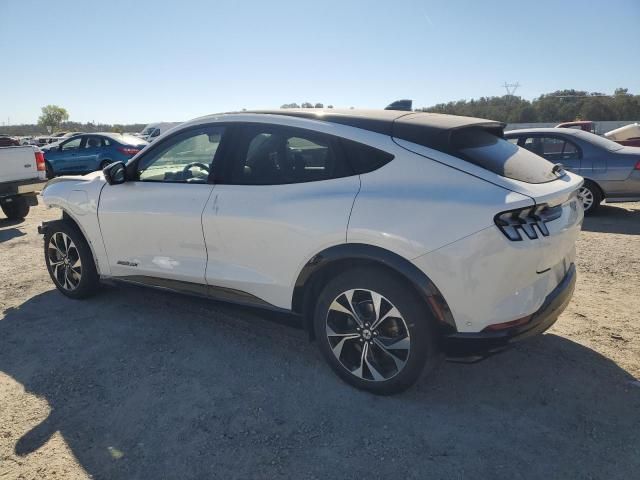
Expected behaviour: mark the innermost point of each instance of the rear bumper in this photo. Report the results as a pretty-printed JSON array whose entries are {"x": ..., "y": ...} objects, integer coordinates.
[
  {"x": 21, "y": 187},
  {"x": 486, "y": 342},
  {"x": 627, "y": 190}
]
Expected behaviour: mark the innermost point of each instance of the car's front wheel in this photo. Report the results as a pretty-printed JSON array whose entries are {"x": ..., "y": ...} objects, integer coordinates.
[
  {"x": 70, "y": 261},
  {"x": 376, "y": 334}
]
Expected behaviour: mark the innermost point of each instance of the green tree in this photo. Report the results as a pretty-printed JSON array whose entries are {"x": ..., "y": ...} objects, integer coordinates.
[{"x": 52, "y": 116}]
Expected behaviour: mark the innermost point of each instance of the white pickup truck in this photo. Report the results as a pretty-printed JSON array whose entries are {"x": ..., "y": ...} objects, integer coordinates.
[{"x": 22, "y": 175}]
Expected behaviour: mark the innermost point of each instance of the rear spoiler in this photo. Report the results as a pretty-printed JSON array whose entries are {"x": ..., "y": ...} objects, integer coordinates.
[{"x": 439, "y": 134}]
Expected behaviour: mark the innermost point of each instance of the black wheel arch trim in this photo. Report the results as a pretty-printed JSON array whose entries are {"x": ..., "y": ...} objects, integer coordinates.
[
  {"x": 597, "y": 185},
  {"x": 69, "y": 218},
  {"x": 359, "y": 252}
]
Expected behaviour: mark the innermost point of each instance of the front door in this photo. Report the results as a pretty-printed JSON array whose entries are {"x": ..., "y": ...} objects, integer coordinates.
[
  {"x": 152, "y": 225},
  {"x": 68, "y": 156}
]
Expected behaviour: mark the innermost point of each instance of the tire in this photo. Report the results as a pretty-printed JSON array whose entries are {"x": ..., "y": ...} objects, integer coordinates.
[
  {"x": 591, "y": 197},
  {"x": 70, "y": 261},
  {"x": 105, "y": 163},
  {"x": 360, "y": 360},
  {"x": 49, "y": 170},
  {"x": 17, "y": 209}
]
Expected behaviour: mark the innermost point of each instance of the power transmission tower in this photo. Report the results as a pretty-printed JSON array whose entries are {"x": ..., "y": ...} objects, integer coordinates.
[{"x": 511, "y": 88}]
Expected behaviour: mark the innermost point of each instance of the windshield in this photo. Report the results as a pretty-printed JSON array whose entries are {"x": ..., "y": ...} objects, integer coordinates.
[
  {"x": 599, "y": 141},
  {"x": 501, "y": 157}
]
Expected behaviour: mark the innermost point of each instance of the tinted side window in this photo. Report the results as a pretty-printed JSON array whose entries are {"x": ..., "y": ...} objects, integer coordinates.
[
  {"x": 93, "y": 142},
  {"x": 363, "y": 158},
  {"x": 554, "y": 149},
  {"x": 272, "y": 155}
]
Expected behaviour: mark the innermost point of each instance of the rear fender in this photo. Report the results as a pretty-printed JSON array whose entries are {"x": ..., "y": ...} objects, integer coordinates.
[{"x": 330, "y": 262}]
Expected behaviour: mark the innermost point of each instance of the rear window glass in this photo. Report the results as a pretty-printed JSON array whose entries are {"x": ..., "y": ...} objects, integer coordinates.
[
  {"x": 129, "y": 139},
  {"x": 501, "y": 156},
  {"x": 599, "y": 141}
]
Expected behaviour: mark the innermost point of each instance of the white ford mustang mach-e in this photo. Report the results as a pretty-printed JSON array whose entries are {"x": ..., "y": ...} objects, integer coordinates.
[{"x": 393, "y": 235}]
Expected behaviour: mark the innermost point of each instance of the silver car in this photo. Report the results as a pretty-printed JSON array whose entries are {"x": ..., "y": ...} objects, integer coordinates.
[{"x": 611, "y": 171}]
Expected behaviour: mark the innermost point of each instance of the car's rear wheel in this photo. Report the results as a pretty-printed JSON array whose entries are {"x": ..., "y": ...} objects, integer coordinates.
[
  {"x": 105, "y": 163},
  {"x": 17, "y": 209},
  {"x": 49, "y": 170},
  {"x": 70, "y": 261},
  {"x": 374, "y": 332},
  {"x": 590, "y": 196}
]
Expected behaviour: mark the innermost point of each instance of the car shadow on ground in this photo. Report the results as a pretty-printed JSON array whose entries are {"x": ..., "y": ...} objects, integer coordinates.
[
  {"x": 10, "y": 233},
  {"x": 145, "y": 384},
  {"x": 613, "y": 218}
]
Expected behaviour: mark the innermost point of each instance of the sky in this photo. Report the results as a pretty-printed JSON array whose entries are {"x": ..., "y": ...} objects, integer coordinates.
[{"x": 131, "y": 61}]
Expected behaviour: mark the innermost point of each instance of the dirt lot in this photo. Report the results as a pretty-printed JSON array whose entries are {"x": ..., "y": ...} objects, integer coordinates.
[{"x": 142, "y": 384}]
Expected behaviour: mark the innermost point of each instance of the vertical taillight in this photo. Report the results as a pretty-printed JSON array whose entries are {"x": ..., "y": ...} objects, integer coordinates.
[
  {"x": 40, "y": 162},
  {"x": 637, "y": 167}
]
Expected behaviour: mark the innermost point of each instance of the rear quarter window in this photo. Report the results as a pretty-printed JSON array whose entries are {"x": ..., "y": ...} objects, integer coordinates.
[
  {"x": 363, "y": 158},
  {"x": 500, "y": 156}
]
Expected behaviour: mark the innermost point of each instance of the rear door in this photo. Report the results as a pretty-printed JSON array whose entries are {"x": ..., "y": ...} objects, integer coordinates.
[
  {"x": 285, "y": 194},
  {"x": 90, "y": 150},
  {"x": 556, "y": 149}
]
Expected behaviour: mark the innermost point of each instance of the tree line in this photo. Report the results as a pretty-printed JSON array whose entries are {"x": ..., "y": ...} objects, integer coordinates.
[
  {"x": 558, "y": 106},
  {"x": 56, "y": 119}
]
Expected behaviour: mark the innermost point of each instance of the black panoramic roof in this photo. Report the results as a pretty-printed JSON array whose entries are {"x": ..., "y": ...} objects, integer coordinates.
[{"x": 429, "y": 129}]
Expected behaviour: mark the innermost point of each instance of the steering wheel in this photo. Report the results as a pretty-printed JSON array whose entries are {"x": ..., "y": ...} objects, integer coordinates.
[{"x": 188, "y": 167}]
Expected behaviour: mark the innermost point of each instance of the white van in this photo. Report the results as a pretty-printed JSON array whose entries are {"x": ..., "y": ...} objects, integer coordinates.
[{"x": 153, "y": 130}]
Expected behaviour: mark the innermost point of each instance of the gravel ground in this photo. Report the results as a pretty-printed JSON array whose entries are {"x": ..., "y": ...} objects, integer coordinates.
[{"x": 136, "y": 383}]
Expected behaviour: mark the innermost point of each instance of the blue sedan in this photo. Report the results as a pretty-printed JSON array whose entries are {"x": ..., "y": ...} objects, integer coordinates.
[{"x": 89, "y": 152}]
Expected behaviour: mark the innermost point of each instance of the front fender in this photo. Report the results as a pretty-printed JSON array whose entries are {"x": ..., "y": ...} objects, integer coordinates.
[{"x": 78, "y": 198}]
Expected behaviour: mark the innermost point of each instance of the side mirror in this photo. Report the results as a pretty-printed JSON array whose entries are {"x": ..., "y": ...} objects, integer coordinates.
[{"x": 115, "y": 173}]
